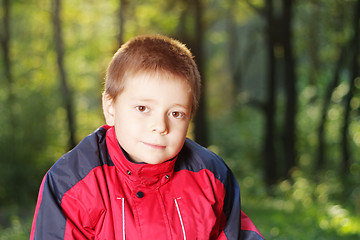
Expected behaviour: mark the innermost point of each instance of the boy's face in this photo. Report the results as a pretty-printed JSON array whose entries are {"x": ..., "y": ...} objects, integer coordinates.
[{"x": 151, "y": 117}]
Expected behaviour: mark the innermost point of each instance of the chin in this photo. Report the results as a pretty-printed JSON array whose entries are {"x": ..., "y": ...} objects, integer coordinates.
[{"x": 155, "y": 162}]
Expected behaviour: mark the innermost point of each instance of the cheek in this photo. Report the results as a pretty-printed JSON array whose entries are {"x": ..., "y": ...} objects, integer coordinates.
[
  {"x": 181, "y": 132},
  {"x": 124, "y": 126},
  {"x": 129, "y": 128}
]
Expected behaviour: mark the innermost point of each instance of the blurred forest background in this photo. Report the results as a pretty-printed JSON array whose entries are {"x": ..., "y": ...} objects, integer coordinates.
[{"x": 280, "y": 103}]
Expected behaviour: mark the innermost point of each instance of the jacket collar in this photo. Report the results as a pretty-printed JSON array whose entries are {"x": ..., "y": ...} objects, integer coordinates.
[{"x": 143, "y": 173}]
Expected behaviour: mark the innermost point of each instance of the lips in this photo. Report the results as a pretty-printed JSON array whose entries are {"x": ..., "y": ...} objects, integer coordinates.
[{"x": 155, "y": 146}]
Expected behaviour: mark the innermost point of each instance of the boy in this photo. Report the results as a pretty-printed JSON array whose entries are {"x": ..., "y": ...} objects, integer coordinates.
[{"x": 139, "y": 177}]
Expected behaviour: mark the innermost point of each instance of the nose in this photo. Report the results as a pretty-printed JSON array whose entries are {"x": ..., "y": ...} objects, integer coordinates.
[{"x": 160, "y": 125}]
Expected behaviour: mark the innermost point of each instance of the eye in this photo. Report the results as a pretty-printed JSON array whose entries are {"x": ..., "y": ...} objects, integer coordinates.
[
  {"x": 177, "y": 115},
  {"x": 142, "y": 109}
]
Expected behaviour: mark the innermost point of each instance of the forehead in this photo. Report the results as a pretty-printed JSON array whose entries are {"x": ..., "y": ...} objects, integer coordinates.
[
  {"x": 156, "y": 78},
  {"x": 157, "y": 86}
]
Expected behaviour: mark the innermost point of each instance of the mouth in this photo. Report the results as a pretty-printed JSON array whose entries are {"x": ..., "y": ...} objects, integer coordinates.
[{"x": 154, "y": 146}]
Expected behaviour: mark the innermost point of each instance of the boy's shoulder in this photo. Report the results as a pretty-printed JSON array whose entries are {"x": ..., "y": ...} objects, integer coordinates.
[
  {"x": 88, "y": 151},
  {"x": 194, "y": 157},
  {"x": 74, "y": 165}
]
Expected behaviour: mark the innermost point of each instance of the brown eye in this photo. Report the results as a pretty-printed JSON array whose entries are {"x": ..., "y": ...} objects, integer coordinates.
[
  {"x": 142, "y": 108},
  {"x": 177, "y": 114}
]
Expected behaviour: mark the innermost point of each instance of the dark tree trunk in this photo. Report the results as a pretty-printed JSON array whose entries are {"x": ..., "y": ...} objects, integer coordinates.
[
  {"x": 65, "y": 91},
  {"x": 327, "y": 99},
  {"x": 233, "y": 52},
  {"x": 314, "y": 28},
  {"x": 5, "y": 45},
  {"x": 200, "y": 130},
  {"x": 354, "y": 74},
  {"x": 270, "y": 110},
  {"x": 289, "y": 135}
]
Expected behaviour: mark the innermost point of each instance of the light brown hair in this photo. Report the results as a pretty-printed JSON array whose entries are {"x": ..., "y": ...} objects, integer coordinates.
[{"x": 153, "y": 54}]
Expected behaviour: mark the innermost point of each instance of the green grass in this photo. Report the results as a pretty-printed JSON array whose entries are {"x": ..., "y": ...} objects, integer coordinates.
[
  {"x": 301, "y": 209},
  {"x": 282, "y": 219},
  {"x": 19, "y": 229}
]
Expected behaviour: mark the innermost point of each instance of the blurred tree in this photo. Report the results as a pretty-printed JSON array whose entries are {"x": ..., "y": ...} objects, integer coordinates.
[
  {"x": 344, "y": 49},
  {"x": 195, "y": 41},
  {"x": 5, "y": 46},
  {"x": 281, "y": 65},
  {"x": 289, "y": 130},
  {"x": 121, "y": 11},
  {"x": 271, "y": 165},
  {"x": 321, "y": 156},
  {"x": 354, "y": 68},
  {"x": 200, "y": 122},
  {"x": 65, "y": 91},
  {"x": 233, "y": 50},
  {"x": 272, "y": 32},
  {"x": 313, "y": 41}
]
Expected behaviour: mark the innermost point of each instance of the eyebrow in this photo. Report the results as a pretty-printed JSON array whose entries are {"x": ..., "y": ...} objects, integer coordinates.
[
  {"x": 142, "y": 99},
  {"x": 152, "y": 100},
  {"x": 180, "y": 105}
]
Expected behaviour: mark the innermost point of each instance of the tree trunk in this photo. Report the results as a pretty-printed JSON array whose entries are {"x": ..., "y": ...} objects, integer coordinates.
[
  {"x": 346, "y": 155},
  {"x": 289, "y": 135},
  {"x": 270, "y": 110},
  {"x": 327, "y": 99},
  {"x": 65, "y": 91},
  {"x": 314, "y": 28},
  {"x": 200, "y": 129},
  {"x": 121, "y": 11},
  {"x": 233, "y": 52},
  {"x": 5, "y": 45}
]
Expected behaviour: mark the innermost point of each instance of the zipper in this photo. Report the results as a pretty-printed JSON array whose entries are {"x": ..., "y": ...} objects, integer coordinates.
[{"x": 181, "y": 221}]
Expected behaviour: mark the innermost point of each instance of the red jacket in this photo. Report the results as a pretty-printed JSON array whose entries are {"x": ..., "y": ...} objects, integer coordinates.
[{"x": 95, "y": 192}]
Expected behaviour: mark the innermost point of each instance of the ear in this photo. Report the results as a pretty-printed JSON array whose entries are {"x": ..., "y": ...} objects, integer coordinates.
[{"x": 108, "y": 109}]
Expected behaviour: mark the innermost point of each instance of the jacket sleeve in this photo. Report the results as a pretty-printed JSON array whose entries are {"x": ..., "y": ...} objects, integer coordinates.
[
  {"x": 238, "y": 224},
  {"x": 52, "y": 221}
]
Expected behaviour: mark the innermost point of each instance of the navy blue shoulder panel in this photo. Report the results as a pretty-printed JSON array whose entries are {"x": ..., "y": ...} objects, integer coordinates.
[
  {"x": 72, "y": 167},
  {"x": 250, "y": 235},
  {"x": 193, "y": 157},
  {"x": 64, "y": 174}
]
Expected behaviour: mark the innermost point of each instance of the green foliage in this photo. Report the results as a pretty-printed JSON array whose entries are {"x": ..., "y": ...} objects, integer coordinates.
[
  {"x": 236, "y": 137},
  {"x": 18, "y": 230},
  {"x": 18, "y": 224},
  {"x": 303, "y": 210}
]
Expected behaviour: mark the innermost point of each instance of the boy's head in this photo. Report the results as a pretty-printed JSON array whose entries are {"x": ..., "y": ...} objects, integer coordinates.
[
  {"x": 152, "y": 54},
  {"x": 151, "y": 91}
]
